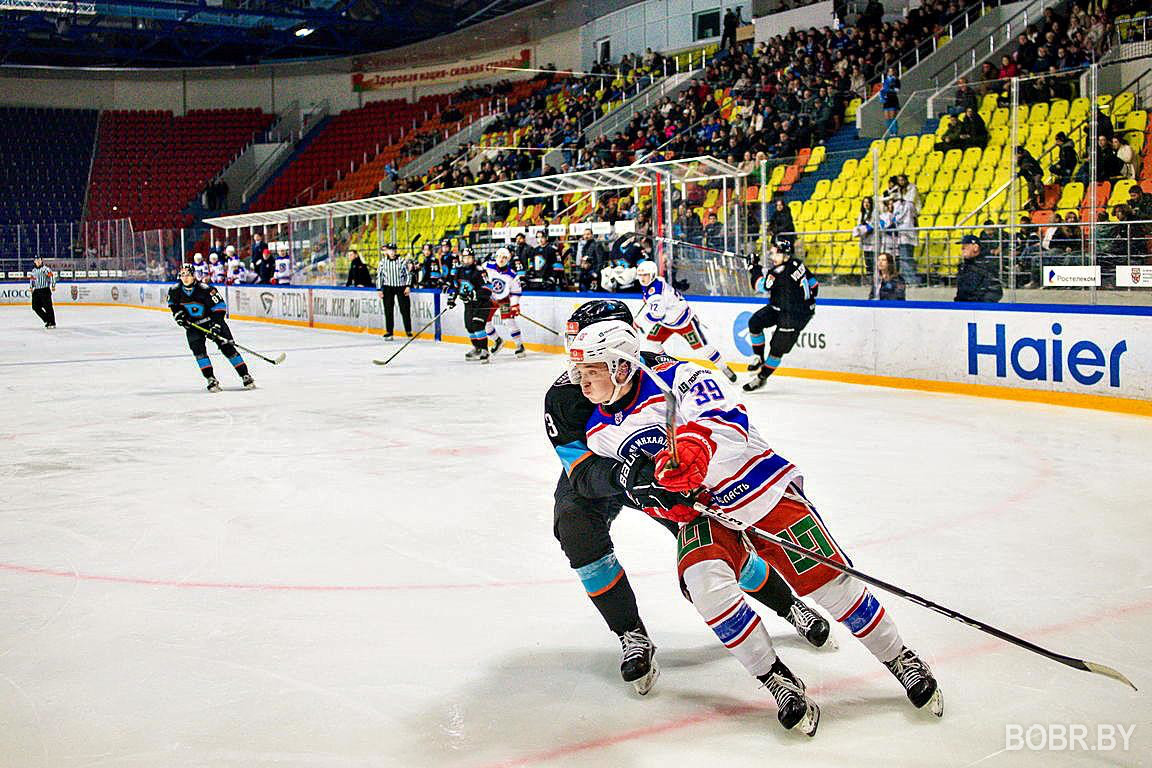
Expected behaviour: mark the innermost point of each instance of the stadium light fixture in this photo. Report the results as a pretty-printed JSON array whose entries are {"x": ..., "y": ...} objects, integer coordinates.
[{"x": 304, "y": 31}]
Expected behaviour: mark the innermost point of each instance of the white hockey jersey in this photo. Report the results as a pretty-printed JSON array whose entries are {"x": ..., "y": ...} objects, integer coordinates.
[
  {"x": 236, "y": 272},
  {"x": 665, "y": 306},
  {"x": 746, "y": 478},
  {"x": 504, "y": 283},
  {"x": 216, "y": 272},
  {"x": 200, "y": 269},
  {"x": 283, "y": 271}
]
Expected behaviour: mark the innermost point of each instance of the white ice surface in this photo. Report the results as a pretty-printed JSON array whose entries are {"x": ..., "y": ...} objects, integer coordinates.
[{"x": 354, "y": 566}]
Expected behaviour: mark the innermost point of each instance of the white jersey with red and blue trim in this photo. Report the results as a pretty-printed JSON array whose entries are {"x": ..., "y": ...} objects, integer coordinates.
[
  {"x": 664, "y": 305},
  {"x": 504, "y": 282},
  {"x": 746, "y": 478},
  {"x": 216, "y": 272}
]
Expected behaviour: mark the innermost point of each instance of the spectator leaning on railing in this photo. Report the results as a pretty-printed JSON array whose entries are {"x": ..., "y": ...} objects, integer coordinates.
[
  {"x": 976, "y": 280},
  {"x": 889, "y": 284}
]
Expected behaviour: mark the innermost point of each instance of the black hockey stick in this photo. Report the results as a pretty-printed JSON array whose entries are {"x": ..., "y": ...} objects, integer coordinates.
[
  {"x": 221, "y": 340},
  {"x": 414, "y": 336},
  {"x": 1068, "y": 661},
  {"x": 537, "y": 322}
]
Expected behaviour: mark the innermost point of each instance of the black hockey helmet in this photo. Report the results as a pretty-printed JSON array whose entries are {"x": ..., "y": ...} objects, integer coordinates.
[{"x": 596, "y": 311}]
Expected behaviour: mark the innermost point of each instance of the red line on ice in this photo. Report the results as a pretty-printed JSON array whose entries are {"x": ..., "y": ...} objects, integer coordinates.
[
  {"x": 274, "y": 587},
  {"x": 720, "y": 713}
]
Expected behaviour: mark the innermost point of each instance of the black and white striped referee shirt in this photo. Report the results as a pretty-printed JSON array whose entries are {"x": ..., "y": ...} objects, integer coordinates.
[
  {"x": 42, "y": 277},
  {"x": 393, "y": 272}
]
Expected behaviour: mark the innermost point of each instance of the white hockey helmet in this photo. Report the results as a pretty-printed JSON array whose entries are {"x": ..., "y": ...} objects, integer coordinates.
[
  {"x": 646, "y": 271},
  {"x": 610, "y": 342},
  {"x": 503, "y": 255},
  {"x": 231, "y": 249},
  {"x": 197, "y": 257}
]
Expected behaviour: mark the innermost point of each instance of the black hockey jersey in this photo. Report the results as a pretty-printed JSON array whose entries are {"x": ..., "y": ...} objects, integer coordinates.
[
  {"x": 198, "y": 301},
  {"x": 471, "y": 285},
  {"x": 791, "y": 289}
]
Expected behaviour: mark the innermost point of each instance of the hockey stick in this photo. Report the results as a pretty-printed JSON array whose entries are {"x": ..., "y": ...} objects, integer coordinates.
[
  {"x": 537, "y": 322},
  {"x": 723, "y": 517},
  {"x": 414, "y": 336},
  {"x": 221, "y": 340}
]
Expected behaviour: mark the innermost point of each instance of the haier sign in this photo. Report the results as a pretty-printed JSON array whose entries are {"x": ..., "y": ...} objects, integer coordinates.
[{"x": 1044, "y": 359}]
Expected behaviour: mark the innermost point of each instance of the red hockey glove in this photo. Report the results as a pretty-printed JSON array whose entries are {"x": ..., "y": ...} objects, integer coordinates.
[
  {"x": 694, "y": 448},
  {"x": 679, "y": 513}
]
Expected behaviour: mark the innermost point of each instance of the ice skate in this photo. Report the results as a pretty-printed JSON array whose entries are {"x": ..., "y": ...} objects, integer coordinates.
[
  {"x": 810, "y": 625},
  {"x": 756, "y": 383},
  {"x": 496, "y": 345},
  {"x": 794, "y": 708},
  {"x": 248, "y": 381},
  {"x": 916, "y": 677},
  {"x": 638, "y": 661},
  {"x": 756, "y": 364},
  {"x": 520, "y": 351},
  {"x": 474, "y": 355},
  {"x": 213, "y": 385}
]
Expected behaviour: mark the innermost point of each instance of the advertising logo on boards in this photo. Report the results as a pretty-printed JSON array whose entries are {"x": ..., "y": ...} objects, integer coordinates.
[
  {"x": 1028, "y": 358},
  {"x": 266, "y": 299}
]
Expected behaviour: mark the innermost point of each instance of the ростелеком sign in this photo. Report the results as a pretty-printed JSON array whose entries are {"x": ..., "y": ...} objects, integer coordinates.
[{"x": 1072, "y": 277}]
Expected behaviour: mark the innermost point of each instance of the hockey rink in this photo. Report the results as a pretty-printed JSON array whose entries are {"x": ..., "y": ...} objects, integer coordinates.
[{"x": 353, "y": 566}]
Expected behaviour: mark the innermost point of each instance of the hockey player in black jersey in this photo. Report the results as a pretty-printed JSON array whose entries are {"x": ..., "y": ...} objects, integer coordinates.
[
  {"x": 191, "y": 301},
  {"x": 590, "y": 493},
  {"x": 791, "y": 293},
  {"x": 470, "y": 286}
]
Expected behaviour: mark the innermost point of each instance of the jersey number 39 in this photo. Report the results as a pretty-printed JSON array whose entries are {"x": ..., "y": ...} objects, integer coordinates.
[{"x": 706, "y": 391}]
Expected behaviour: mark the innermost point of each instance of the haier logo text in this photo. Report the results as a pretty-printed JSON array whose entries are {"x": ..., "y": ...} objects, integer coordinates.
[{"x": 1042, "y": 359}]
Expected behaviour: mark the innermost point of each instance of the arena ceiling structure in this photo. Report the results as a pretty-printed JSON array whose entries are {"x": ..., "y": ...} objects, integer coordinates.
[{"x": 198, "y": 33}]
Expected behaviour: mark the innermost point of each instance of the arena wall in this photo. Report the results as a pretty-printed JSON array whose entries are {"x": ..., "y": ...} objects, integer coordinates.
[{"x": 1083, "y": 356}]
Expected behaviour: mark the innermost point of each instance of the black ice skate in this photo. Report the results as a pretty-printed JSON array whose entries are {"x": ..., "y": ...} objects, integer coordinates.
[
  {"x": 474, "y": 355},
  {"x": 756, "y": 383},
  {"x": 916, "y": 677},
  {"x": 248, "y": 381},
  {"x": 638, "y": 661},
  {"x": 809, "y": 625},
  {"x": 496, "y": 345},
  {"x": 754, "y": 366},
  {"x": 728, "y": 373},
  {"x": 520, "y": 351},
  {"x": 794, "y": 709},
  {"x": 213, "y": 385}
]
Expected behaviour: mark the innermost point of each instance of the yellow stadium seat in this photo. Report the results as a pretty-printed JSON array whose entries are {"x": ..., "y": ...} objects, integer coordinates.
[
  {"x": 1022, "y": 111},
  {"x": 1122, "y": 104},
  {"x": 1120, "y": 192},
  {"x": 945, "y": 121},
  {"x": 914, "y": 164},
  {"x": 896, "y": 167},
  {"x": 927, "y": 143},
  {"x": 823, "y": 211},
  {"x": 999, "y": 136},
  {"x": 962, "y": 181},
  {"x": 1136, "y": 140},
  {"x": 852, "y": 189},
  {"x": 934, "y": 160},
  {"x": 1071, "y": 195},
  {"x": 988, "y": 102},
  {"x": 971, "y": 157},
  {"x": 983, "y": 179},
  {"x": 777, "y": 175},
  {"x": 952, "y": 202},
  {"x": 852, "y": 109},
  {"x": 952, "y": 159},
  {"x": 924, "y": 178},
  {"x": 1078, "y": 110},
  {"x": 816, "y": 157},
  {"x": 821, "y": 190},
  {"x": 972, "y": 201},
  {"x": 875, "y": 148},
  {"x": 848, "y": 170},
  {"x": 1037, "y": 132},
  {"x": 999, "y": 118},
  {"x": 795, "y": 206},
  {"x": 1136, "y": 120},
  {"x": 1035, "y": 148},
  {"x": 908, "y": 145},
  {"x": 1058, "y": 110},
  {"x": 891, "y": 147},
  {"x": 1039, "y": 113},
  {"x": 991, "y": 156},
  {"x": 942, "y": 182},
  {"x": 932, "y": 203},
  {"x": 836, "y": 190},
  {"x": 842, "y": 209}
]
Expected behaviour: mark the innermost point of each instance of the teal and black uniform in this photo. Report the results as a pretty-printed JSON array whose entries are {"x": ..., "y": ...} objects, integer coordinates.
[{"x": 202, "y": 305}]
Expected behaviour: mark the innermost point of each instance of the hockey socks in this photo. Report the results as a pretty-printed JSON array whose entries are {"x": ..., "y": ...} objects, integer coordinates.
[
  {"x": 854, "y": 606},
  {"x": 205, "y": 367},
  {"x": 239, "y": 364},
  {"x": 609, "y": 590}
]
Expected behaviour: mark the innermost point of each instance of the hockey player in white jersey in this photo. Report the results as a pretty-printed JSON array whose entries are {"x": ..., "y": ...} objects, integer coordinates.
[
  {"x": 283, "y": 270},
  {"x": 506, "y": 289},
  {"x": 724, "y": 462},
  {"x": 199, "y": 267},
  {"x": 217, "y": 273},
  {"x": 669, "y": 313}
]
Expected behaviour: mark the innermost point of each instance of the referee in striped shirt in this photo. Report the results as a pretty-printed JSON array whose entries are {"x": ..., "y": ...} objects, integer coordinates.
[
  {"x": 393, "y": 280},
  {"x": 43, "y": 282}
]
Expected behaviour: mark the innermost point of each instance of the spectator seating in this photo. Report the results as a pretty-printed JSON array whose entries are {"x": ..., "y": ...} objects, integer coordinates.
[
  {"x": 150, "y": 165},
  {"x": 47, "y": 153}
]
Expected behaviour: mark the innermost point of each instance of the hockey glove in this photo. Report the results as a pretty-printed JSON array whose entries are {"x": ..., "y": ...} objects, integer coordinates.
[
  {"x": 694, "y": 451},
  {"x": 637, "y": 477},
  {"x": 452, "y": 300},
  {"x": 513, "y": 310},
  {"x": 181, "y": 318},
  {"x": 214, "y": 328}
]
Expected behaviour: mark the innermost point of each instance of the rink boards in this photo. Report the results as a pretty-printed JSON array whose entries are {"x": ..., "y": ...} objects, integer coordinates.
[{"x": 1086, "y": 356}]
